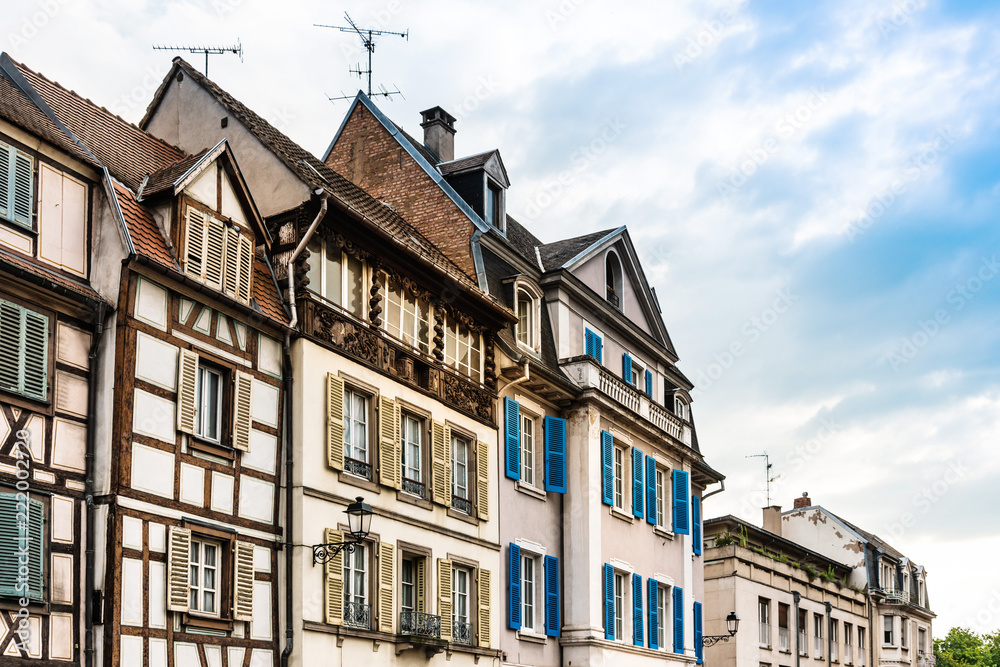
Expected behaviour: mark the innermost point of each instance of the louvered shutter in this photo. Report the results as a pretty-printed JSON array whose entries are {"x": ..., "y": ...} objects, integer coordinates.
[
  {"x": 18, "y": 528},
  {"x": 637, "y": 482},
  {"x": 187, "y": 391},
  {"x": 699, "y": 650},
  {"x": 21, "y": 201},
  {"x": 36, "y": 355},
  {"x": 334, "y": 421},
  {"x": 441, "y": 463},
  {"x": 243, "y": 383},
  {"x": 334, "y": 573},
  {"x": 555, "y": 454},
  {"x": 386, "y": 586},
  {"x": 637, "y": 634},
  {"x": 420, "y": 584},
  {"x": 609, "y": 602},
  {"x": 388, "y": 418},
  {"x": 681, "y": 520},
  {"x": 215, "y": 253},
  {"x": 24, "y": 351},
  {"x": 512, "y": 437},
  {"x": 178, "y": 569},
  {"x": 246, "y": 269},
  {"x": 678, "y": 619},
  {"x": 514, "y": 587},
  {"x": 243, "y": 582},
  {"x": 653, "y": 601},
  {"x": 590, "y": 348},
  {"x": 650, "y": 490},
  {"x": 649, "y": 384},
  {"x": 194, "y": 244},
  {"x": 484, "y": 607},
  {"x": 627, "y": 368},
  {"x": 444, "y": 575},
  {"x": 696, "y": 524},
  {"x": 10, "y": 346},
  {"x": 599, "y": 349},
  {"x": 10, "y": 536},
  {"x": 607, "y": 472},
  {"x": 552, "y": 622},
  {"x": 231, "y": 263},
  {"x": 5, "y": 179},
  {"x": 483, "y": 480}
]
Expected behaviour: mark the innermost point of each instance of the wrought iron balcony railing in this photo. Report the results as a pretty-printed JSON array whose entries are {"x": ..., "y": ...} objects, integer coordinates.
[
  {"x": 461, "y": 632},
  {"x": 461, "y": 504},
  {"x": 357, "y": 615},
  {"x": 419, "y": 624},
  {"x": 414, "y": 487},
  {"x": 359, "y": 468}
]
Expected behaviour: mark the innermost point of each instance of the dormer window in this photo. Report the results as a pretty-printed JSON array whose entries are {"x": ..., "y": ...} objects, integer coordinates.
[
  {"x": 680, "y": 407},
  {"x": 219, "y": 254},
  {"x": 613, "y": 275},
  {"x": 494, "y": 205},
  {"x": 528, "y": 305}
]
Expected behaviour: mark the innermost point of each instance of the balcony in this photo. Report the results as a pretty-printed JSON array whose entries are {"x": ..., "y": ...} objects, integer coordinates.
[
  {"x": 461, "y": 632},
  {"x": 764, "y": 637},
  {"x": 359, "y": 468},
  {"x": 588, "y": 373},
  {"x": 896, "y": 597},
  {"x": 357, "y": 615},
  {"x": 419, "y": 624},
  {"x": 414, "y": 488},
  {"x": 461, "y": 504},
  {"x": 783, "y": 639}
]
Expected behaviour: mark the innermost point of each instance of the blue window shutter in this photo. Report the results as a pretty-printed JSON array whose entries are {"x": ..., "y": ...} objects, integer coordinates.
[
  {"x": 609, "y": 602},
  {"x": 607, "y": 476},
  {"x": 512, "y": 428},
  {"x": 681, "y": 522},
  {"x": 555, "y": 454},
  {"x": 637, "y": 482},
  {"x": 649, "y": 384},
  {"x": 698, "y": 648},
  {"x": 637, "y": 610},
  {"x": 627, "y": 368},
  {"x": 552, "y": 596},
  {"x": 696, "y": 523},
  {"x": 678, "y": 619},
  {"x": 653, "y": 601},
  {"x": 650, "y": 490},
  {"x": 514, "y": 588},
  {"x": 590, "y": 343},
  {"x": 599, "y": 349}
]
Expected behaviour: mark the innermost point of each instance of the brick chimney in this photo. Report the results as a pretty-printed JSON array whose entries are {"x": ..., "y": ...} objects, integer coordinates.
[
  {"x": 439, "y": 132},
  {"x": 804, "y": 501},
  {"x": 772, "y": 519}
]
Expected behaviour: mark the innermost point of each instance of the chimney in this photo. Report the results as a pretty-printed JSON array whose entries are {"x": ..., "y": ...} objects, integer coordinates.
[
  {"x": 804, "y": 501},
  {"x": 439, "y": 132},
  {"x": 772, "y": 519}
]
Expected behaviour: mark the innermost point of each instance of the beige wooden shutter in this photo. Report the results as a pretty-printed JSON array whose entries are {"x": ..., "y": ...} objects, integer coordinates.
[
  {"x": 334, "y": 421},
  {"x": 194, "y": 244},
  {"x": 187, "y": 391},
  {"x": 389, "y": 472},
  {"x": 178, "y": 569},
  {"x": 386, "y": 586},
  {"x": 231, "y": 262},
  {"x": 420, "y": 584},
  {"x": 441, "y": 463},
  {"x": 483, "y": 480},
  {"x": 444, "y": 574},
  {"x": 215, "y": 253},
  {"x": 483, "y": 603},
  {"x": 241, "y": 411},
  {"x": 246, "y": 269},
  {"x": 243, "y": 582},
  {"x": 334, "y": 571}
]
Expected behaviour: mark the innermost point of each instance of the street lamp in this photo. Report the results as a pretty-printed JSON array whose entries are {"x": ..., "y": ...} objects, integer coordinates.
[
  {"x": 732, "y": 624},
  {"x": 359, "y": 523}
]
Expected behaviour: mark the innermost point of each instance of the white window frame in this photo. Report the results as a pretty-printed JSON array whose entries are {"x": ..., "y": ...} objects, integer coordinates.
[
  {"x": 341, "y": 300},
  {"x": 201, "y": 424},
  {"x": 817, "y": 636},
  {"x": 764, "y": 622},
  {"x": 460, "y": 444},
  {"x": 621, "y": 600},
  {"x": 400, "y": 302},
  {"x": 196, "y": 586},
  {"x": 351, "y": 569},
  {"x": 888, "y": 630},
  {"x": 663, "y": 616},
  {"x": 619, "y": 487},
  {"x": 530, "y": 580},
  {"x": 662, "y": 509},
  {"x": 406, "y": 464},
  {"x": 471, "y": 342},
  {"x": 457, "y": 575},
  {"x": 352, "y": 420},
  {"x": 405, "y": 585},
  {"x": 638, "y": 375},
  {"x": 680, "y": 407},
  {"x": 903, "y": 637},
  {"x": 529, "y": 451},
  {"x": 834, "y": 647}
]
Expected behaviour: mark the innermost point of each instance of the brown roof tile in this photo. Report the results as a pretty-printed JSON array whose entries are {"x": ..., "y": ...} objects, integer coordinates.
[
  {"x": 12, "y": 260},
  {"x": 464, "y": 163},
  {"x": 265, "y": 293},
  {"x": 145, "y": 233},
  {"x": 164, "y": 179}
]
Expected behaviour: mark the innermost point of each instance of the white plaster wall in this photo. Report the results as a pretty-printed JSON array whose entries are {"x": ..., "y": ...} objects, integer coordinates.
[{"x": 814, "y": 529}]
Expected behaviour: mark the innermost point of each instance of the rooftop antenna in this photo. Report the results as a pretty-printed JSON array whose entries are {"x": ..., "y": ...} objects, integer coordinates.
[
  {"x": 207, "y": 50},
  {"x": 367, "y": 36},
  {"x": 767, "y": 472}
]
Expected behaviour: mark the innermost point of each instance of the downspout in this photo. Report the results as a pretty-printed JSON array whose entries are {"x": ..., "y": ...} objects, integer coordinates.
[
  {"x": 287, "y": 431},
  {"x": 796, "y": 597},
  {"x": 829, "y": 635},
  {"x": 718, "y": 490},
  {"x": 523, "y": 378},
  {"x": 89, "y": 586}
]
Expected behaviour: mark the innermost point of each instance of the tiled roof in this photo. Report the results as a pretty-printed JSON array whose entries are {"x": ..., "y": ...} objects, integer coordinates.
[
  {"x": 145, "y": 233},
  {"x": 463, "y": 163},
  {"x": 128, "y": 152},
  {"x": 265, "y": 293},
  {"x": 555, "y": 255},
  {"x": 164, "y": 179},
  {"x": 523, "y": 241},
  {"x": 15, "y": 261}
]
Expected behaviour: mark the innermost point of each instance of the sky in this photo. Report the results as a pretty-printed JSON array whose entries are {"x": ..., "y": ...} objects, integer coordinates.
[{"x": 812, "y": 188}]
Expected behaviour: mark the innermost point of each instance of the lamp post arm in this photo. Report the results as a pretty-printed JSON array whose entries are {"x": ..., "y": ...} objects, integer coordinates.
[{"x": 323, "y": 553}]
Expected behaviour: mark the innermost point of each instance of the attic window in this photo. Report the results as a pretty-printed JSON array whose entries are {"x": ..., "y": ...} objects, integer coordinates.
[
  {"x": 219, "y": 255},
  {"x": 494, "y": 205},
  {"x": 613, "y": 275}
]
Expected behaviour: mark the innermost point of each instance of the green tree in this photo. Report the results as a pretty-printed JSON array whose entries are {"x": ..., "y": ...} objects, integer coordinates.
[
  {"x": 991, "y": 646},
  {"x": 961, "y": 647}
]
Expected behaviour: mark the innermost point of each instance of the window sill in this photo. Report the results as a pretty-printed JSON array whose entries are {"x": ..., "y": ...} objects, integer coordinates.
[
  {"x": 764, "y": 647},
  {"x": 530, "y": 490},
  {"x": 360, "y": 482},
  {"x": 785, "y": 651},
  {"x": 411, "y": 499},
  {"x": 622, "y": 515},
  {"x": 189, "y": 620},
  {"x": 529, "y": 636},
  {"x": 462, "y": 516},
  {"x": 663, "y": 532},
  {"x": 195, "y": 444}
]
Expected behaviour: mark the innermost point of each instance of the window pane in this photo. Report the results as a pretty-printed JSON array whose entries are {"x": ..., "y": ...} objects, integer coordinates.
[
  {"x": 333, "y": 287},
  {"x": 355, "y": 288},
  {"x": 315, "y": 273}
]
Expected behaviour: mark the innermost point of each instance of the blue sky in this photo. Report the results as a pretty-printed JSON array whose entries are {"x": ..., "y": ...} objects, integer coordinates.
[{"x": 835, "y": 161}]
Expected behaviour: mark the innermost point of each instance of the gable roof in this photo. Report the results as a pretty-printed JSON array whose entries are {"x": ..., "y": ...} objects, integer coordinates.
[
  {"x": 164, "y": 179},
  {"x": 558, "y": 255}
]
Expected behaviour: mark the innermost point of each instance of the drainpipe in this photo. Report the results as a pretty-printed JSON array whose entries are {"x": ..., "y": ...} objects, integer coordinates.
[
  {"x": 287, "y": 430},
  {"x": 88, "y": 606},
  {"x": 796, "y": 596},
  {"x": 523, "y": 378},
  {"x": 829, "y": 635},
  {"x": 722, "y": 488}
]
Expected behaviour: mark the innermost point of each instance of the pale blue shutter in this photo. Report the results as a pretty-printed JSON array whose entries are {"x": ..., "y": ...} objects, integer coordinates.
[
  {"x": 698, "y": 648},
  {"x": 15, "y": 531},
  {"x": 6, "y": 187},
  {"x": 514, "y": 588},
  {"x": 9, "y": 536},
  {"x": 681, "y": 522},
  {"x": 653, "y": 600},
  {"x": 651, "y": 490},
  {"x": 678, "y": 619},
  {"x": 512, "y": 437},
  {"x": 24, "y": 351},
  {"x": 649, "y": 384},
  {"x": 696, "y": 523},
  {"x": 555, "y": 454},
  {"x": 609, "y": 602},
  {"x": 637, "y": 482},
  {"x": 627, "y": 368},
  {"x": 552, "y": 596},
  {"x": 637, "y": 610},
  {"x": 36, "y": 355},
  {"x": 607, "y": 472}
]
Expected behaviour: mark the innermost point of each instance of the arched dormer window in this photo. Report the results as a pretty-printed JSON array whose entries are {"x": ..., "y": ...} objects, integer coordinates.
[
  {"x": 613, "y": 277},
  {"x": 528, "y": 315},
  {"x": 680, "y": 407}
]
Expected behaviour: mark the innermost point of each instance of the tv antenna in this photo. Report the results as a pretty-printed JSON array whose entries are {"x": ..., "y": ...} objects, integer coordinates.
[
  {"x": 207, "y": 50},
  {"x": 367, "y": 36},
  {"x": 767, "y": 472}
]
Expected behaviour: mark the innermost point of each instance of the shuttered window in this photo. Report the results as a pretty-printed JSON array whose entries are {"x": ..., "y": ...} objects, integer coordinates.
[
  {"x": 243, "y": 582},
  {"x": 678, "y": 620},
  {"x": 555, "y": 454},
  {"x": 386, "y": 586},
  {"x": 607, "y": 470},
  {"x": 333, "y": 574},
  {"x": 637, "y": 487},
  {"x": 654, "y": 511},
  {"x": 637, "y": 620},
  {"x": 681, "y": 519},
  {"x": 608, "y": 574},
  {"x": 16, "y": 182},
  {"x": 593, "y": 345},
  {"x": 221, "y": 256},
  {"x": 440, "y": 464},
  {"x": 514, "y": 587},
  {"x": 627, "y": 369},
  {"x": 389, "y": 442},
  {"x": 24, "y": 351},
  {"x": 699, "y": 650},
  {"x": 552, "y": 622},
  {"x": 696, "y": 524},
  {"x": 444, "y": 606},
  {"x": 512, "y": 438},
  {"x": 22, "y": 525},
  {"x": 484, "y": 604},
  {"x": 653, "y": 604},
  {"x": 483, "y": 480},
  {"x": 649, "y": 384}
]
